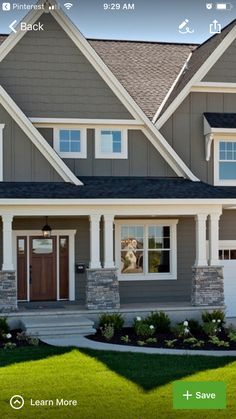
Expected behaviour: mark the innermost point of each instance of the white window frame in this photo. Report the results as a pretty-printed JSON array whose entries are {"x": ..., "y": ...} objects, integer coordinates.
[
  {"x": 217, "y": 140},
  {"x": 172, "y": 275},
  {"x": 70, "y": 154},
  {"x": 124, "y": 144},
  {"x": 2, "y": 126}
]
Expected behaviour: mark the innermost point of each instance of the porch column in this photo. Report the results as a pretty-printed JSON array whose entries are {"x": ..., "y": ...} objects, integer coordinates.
[
  {"x": 214, "y": 239},
  {"x": 7, "y": 243},
  {"x": 95, "y": 241},
  {"x": 200, "y": 220},
  {"x": 108, "y": 241}
]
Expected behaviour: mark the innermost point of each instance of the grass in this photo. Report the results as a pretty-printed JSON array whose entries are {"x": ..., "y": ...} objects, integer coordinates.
[{"x": 107, "y": 385}]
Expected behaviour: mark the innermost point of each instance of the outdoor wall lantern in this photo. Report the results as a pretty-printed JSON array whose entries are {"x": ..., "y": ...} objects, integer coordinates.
[{"x": 46, "y": 230}]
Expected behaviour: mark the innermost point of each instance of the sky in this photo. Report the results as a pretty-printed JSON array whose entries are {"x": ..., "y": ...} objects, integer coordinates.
[{"x": 147, "y": 20}]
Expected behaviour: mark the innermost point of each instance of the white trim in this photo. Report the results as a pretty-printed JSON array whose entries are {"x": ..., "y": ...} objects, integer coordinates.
[
  {"x": 214, "y": 239},
  {"x": 185, "y": 67},
  {"x": 197, "y": 77},
  {"x": 51, "y": 122},
  {"x": 124, "y": 144},
  {"x": 158, "y": 141},
  {"x": 36, "y": 138},
  {"x": 1, "y": 151},
  {"x": 83, "y": 142},
  {"x": 57, "y": 233},
  {"x": 108, "y": 241},
  {"x": 172, "y": 223},
  {"x": 200, "y": 226},
  {"x": 227, "y": 244},
  {"x": 95, "y": 262},
  {"x": 7, "y": 219},
  {"x": 217, "y": 140},
  {"x": 213, "y": 87}
]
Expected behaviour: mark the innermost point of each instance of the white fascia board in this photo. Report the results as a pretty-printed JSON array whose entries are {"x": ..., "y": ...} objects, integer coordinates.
[
  {"x": 171, "y": 89},
  {"x": 198, "y": 76},
  {"x": 224, "y": 130},
  {"x": 37, "y": 139},
  {"x": 168, "y": 153},
  {"x": 213, "y": 87},
  {"x": 86, "y": 122}
]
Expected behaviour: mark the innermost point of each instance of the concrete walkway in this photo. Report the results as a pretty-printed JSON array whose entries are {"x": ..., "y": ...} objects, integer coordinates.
[{"x": 83, "y": 342}]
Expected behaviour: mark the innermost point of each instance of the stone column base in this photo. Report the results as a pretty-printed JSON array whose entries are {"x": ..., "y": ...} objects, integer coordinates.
[
  {"x": 8, "y": 292},
  {"x": 207, "y": 286},
  {"x": 102, "y": 289}
]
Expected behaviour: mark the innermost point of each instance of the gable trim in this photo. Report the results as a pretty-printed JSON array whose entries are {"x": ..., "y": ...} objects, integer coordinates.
[
  {"x": 214, "y": 87},
  {"x": 2, "y": 126},
  {"x": 37, "y": 139},
  {"x": 158, "y": 141},
  {"x": 198, "y": 76}
]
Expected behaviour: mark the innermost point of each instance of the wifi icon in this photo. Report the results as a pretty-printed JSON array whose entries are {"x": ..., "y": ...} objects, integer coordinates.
[{"x": 68, "y": 6}]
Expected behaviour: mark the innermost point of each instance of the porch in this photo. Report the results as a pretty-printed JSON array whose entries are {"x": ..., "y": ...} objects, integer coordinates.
[{"x": 185, "y": 278}]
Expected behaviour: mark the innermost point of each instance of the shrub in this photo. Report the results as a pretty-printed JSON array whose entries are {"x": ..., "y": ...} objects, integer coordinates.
[
  {"x": 151, "y": 340},
  {"x": 4, "y": 328},
  {"x": 182, "y": 330},
  {"x": 160, "y": 321},
  {"x": 220, "y": 343},
  {"x": 125, "y": 339},
  {"x": 114, "y": 319},
  {"x": 195, "y": 343},
  {"x": 210, "y": 328},
  {"x": 23, "y": 337},
  {"x": 107, "y": 331},
  {"x": 9, "y": 345},
  {"x": 194, "y": 327},
  {"x": 232, "y": 336},
  {"x": 143, "y": 329},
  {"x": 170, "y": 343},
  {"x": 214, "y": 315}
]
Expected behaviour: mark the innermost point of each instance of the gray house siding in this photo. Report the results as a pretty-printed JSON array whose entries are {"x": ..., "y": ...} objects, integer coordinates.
[
  {"x": 184, "y": 129},
  {"x": 168, "y": 290},
  {"x": 227, "y": 228},
  {"x": 48, "y": 76},
  {"x": 224, "y": 68},
  {"x": 143, "y": 158},
  {"x": 21, "y": 159}
]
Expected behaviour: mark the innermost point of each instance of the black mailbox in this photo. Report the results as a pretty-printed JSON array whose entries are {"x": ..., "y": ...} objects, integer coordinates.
[{"x": 79, "y": 268}]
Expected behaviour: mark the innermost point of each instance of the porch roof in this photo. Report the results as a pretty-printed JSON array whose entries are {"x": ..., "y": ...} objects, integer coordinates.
[{"x": 118, "y": 188}]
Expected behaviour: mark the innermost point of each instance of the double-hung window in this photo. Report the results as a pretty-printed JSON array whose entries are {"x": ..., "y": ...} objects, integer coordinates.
[
  {"x": 225, "y": 161},
  {"x": 111, "y": 144},
  {"x": 146, "y": 249},
  {"x": 70, "y": 142}
]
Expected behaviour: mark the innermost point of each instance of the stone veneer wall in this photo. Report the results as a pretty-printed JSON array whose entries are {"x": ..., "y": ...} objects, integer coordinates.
[
  {"x": 208, "y": 286},
  {"x": 102, "y": 289},
  {"x": 8, "y": 292}
]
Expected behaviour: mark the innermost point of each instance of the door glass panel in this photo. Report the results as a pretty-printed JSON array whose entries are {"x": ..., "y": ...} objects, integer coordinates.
[
  {"x": 233, "y": 254},
  {"x": 63, "y": 245},
  {"x": 42, "y": 246},
  {"x": 21, "y": 246}
]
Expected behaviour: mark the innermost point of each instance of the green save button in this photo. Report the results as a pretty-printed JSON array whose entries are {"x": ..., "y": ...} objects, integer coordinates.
[{"x": 199, "y": 395}]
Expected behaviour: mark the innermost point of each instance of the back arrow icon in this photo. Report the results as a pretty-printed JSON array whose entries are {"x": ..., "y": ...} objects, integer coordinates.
[{"x": 11, "y": 26}]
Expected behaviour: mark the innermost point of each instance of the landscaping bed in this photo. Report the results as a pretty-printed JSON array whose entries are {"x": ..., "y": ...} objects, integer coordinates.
[
  {"x": 156, "y": 331},
  {"x": 11, "y": 339}
]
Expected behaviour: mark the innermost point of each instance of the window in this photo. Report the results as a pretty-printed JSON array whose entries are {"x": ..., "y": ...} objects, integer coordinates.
[
  {"x": 70, "y": 143},
  {"x": 146, "y": 250},
  {"x": 111, "y": 144},
  {"x": 227, "y": 160}
]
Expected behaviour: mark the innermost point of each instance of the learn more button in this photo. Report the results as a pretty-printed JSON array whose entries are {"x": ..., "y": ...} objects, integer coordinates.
[{"x": 199, "y": 395}]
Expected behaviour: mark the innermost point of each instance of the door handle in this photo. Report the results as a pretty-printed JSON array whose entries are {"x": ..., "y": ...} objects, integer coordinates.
[{"x": 30, "y": 274}]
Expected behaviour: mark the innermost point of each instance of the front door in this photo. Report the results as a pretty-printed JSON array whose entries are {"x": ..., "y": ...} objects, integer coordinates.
[{"x": 43, "y": 284}]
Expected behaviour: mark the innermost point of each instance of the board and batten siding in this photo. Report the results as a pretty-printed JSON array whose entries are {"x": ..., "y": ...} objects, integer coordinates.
[
  {"x": 48, "y": 76},
  {"x": 224, "y": 68},
  {"x": 185, "y": 132},
  {"x": 162, "y": 291},
  {"x": 22, "y": 161},
  {"x": 143, "y": 158}
]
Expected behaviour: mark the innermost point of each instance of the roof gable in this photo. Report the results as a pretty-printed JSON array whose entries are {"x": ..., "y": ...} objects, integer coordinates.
[{"x": 201, "y": 61}]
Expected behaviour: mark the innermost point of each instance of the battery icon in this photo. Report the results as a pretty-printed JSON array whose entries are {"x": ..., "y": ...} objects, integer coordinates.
[{"x": 224, "y": 6}]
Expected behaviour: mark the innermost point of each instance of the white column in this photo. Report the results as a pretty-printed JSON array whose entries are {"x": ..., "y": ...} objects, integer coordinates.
[
  {"x": 200, "y": 220},
  {"x": 108, "y": 241},
  {"x": 95, "y": 241},
  {"x": 214, "y": 239},
  {"x": 7, "y": 243}
]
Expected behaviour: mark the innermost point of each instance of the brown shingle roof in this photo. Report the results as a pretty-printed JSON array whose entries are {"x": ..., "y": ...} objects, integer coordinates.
[
  {"x": 199, "y": 56},
  {"x": 147, "y": 70}
]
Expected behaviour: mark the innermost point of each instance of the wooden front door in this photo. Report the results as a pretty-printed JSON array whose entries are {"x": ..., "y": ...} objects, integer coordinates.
[{"x": 43, "y": 284}]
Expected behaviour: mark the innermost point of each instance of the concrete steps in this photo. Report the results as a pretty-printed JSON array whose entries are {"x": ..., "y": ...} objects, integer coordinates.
[{"x": 56, "y": 325}]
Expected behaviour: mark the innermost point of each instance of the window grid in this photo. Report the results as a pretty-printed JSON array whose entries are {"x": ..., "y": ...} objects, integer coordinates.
[{"x": 70, "y": 141}]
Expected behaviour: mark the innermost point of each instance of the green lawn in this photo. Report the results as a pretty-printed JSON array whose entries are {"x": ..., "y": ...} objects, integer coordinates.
[{"x": 107, "y": 385}]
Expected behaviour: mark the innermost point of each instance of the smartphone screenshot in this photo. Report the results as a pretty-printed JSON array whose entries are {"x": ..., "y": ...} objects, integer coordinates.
[{"x": 117, "y": 209}]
